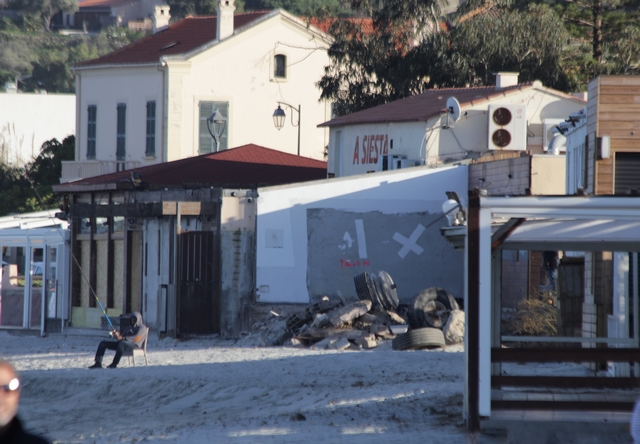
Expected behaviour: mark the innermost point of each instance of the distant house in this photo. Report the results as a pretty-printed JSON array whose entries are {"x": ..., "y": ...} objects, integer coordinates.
[
  {"x": 27, "y": 120},
  {"x": 149, "y": 102},
  {"x": 174, "y": 240},
  {"x": 93, "y": 15},
  {"x": 444, "y": 126}
]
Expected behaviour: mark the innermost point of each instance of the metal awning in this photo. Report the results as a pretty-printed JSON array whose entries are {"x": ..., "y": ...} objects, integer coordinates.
[{"x": 559, "y": 234}]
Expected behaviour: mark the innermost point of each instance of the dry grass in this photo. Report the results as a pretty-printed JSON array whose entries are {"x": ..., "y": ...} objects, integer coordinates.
[{"x": 534, "y": 317}]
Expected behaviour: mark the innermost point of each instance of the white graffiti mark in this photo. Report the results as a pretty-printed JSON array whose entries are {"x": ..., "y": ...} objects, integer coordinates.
[
  {"x": 411, "y": 243},
  {"x": 362, "y": 241},
  {"x": 347, "y": 239}
]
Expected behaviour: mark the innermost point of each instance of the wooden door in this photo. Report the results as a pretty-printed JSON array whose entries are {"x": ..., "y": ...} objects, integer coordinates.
[{"x": 198, "y": 279}]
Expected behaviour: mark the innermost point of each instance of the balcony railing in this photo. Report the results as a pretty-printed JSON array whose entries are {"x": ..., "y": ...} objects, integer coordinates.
[{"x": 72, "y": 170}]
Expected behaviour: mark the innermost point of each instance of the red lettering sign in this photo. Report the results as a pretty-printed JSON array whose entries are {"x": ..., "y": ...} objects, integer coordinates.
[
  {"x": 356, "y": 152},
  {"x": 373, "y": 146}
]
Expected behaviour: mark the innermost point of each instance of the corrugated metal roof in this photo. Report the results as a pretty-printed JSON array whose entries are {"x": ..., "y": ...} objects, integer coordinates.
[
  {"x": 421, "y": 107},
  {"x": 248, "y": 166},
  {"x": 179, "y": 38}
]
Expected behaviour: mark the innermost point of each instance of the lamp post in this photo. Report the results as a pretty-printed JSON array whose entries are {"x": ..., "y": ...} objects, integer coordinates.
[
  {"x": 219, "y": 123},
  {"x": 279, "y": 117}
]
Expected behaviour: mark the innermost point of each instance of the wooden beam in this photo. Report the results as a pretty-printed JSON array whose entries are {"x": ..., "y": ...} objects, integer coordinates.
[
  {"x": 569, "y": 382},
  {"x": 505, "y": 231},
  {"x": 144, "y": 209},
  {"x": 608, "y": 406},
  {"x": 527, "y": 355},
  {"x": 473, "y": 314}
]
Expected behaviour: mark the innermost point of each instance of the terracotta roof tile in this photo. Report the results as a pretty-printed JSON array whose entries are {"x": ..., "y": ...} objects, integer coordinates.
[
  {"x": 248, "y": 166},
  {"x": 179, "y": 38},
  {"x": 429, "y": 104},
  {"x": 365, "y": 24}
]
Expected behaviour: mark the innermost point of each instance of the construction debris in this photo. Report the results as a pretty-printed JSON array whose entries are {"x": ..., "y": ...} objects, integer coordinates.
[{"x": 335, "y": 324}]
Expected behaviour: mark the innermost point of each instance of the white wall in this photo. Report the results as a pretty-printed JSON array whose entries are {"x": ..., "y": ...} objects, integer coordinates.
[
  {"x": 431, "y": 144},
  {"x": 28, "y": 120},
  {"x": 387, "y": 204},
  {"x": 237, "y": 70},
  {"x": 575, "y": 175},
  {"x": 105, "y": 88}
]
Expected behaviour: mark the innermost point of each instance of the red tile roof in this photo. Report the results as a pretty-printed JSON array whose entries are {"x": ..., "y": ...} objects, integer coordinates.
[
  {"x": 248, "y": 166},
  {"x": 179, "y": 38},
  {"x": 365, "y": 24},
  {"x": 430, "y": 103},
  {"x": 101, "y": 3}
]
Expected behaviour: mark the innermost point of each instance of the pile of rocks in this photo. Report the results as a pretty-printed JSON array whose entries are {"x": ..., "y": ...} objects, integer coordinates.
[{"x": 329, "y": 324}]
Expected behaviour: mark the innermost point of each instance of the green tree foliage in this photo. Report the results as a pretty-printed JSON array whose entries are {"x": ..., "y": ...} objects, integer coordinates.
[
  {"x": 370, "y": 68},
  {"x": 29, "y": 188},
  {"x": 44, "y": 10},
  {"x": 43, "y": 61},
  {"x": 531, "y": 42},
  {"x": 408, "y": 52}
]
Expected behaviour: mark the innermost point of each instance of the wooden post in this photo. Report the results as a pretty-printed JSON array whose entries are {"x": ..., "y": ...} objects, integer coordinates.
[{"x": 473, "y": 313}]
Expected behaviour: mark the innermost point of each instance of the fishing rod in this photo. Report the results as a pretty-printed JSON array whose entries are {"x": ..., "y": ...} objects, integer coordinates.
[{"x": 113, "y": 331}]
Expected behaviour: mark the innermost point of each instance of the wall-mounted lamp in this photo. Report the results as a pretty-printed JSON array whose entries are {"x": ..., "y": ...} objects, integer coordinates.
[
  {"x": 279, "y": 117},
  {"x": 605, "y": 147}
]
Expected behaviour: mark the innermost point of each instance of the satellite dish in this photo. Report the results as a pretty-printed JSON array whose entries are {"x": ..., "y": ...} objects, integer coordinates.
[{"x": 453, "y": 108}]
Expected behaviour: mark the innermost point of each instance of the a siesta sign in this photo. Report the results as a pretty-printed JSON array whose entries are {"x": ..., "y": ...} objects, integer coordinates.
[{"x": 373, "y": 146}]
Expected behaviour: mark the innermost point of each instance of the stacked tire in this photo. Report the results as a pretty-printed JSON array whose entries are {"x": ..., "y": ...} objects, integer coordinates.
[
  {"x": 431, "y": 308},
  {"x": 378, "y": 288}
]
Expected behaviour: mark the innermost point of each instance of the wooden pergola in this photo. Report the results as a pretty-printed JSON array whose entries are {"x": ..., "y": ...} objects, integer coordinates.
[{"x": 572, "y": 223}]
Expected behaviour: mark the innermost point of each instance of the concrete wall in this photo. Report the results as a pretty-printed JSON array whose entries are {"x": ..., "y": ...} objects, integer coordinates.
[
  {"x": 314, "y": 238},
  {"x": 28, "y": 120},
  {"x": 237, "y": 255},
  {"x": 354, "y": 149},
  {"x": 548, "y": 174},
  {"x": 237, "y": 70}
]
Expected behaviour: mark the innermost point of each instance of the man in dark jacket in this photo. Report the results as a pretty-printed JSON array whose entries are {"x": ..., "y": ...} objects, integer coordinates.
[
  {"x": 11, "y": 431},
  {"x": 133, "y": 337}
]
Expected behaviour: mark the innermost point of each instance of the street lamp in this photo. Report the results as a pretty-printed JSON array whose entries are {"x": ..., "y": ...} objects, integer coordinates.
[
  {"x": 219, "y": 123},
  {"x": 279, "y": 117}
]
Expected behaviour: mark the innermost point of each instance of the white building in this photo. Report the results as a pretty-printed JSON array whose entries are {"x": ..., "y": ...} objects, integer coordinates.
[
  {"x": 149, "y": 102},
  {"x": 27, "y": 120},
  {"x": 448, "y": 125}
]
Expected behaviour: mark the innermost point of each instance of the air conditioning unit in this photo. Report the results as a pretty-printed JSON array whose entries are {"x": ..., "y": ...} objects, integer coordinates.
[
  {"x": 406, "y": 163},
  {"x": 508, "y": 127},
  {"x": 388, "y": 162}
]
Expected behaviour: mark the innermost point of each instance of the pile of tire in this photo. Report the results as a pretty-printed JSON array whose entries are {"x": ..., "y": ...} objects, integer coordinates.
[
  {"x": 378, "y": 288},
  {"x": 427, "y": 313}
]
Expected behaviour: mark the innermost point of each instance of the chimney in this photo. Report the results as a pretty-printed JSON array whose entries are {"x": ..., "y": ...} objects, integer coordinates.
[
  {"x": 161, "y": 18},
  {"x": 506, "y": 79},
  {"x": 224, "y": 22}
]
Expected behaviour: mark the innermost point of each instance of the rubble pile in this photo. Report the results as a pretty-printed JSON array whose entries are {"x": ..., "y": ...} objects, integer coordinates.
[{"x": 333, "y": 323}]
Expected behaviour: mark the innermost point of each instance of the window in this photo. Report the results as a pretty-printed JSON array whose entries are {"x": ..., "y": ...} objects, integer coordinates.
[
  {"x": 122, "y": 131},
  {"x": 151, "y": 129},
  {"x": 92, "y": 112},
  {"x": 280, "y": 66},
  {"x": 206, "y": 143}
]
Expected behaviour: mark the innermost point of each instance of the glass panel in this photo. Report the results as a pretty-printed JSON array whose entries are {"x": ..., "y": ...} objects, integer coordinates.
[
  {"x": 280, "y": 66},
  {"x": 11, "y": 295},
  {"x": 52, "y": 282},
  {"x": 118, "y": 224},
  {"x": 102, "y": 225},
  {"x": 85, "y": 225},
  {"x": 206, "y": 142},
  {"x": 37, "y": 276}
]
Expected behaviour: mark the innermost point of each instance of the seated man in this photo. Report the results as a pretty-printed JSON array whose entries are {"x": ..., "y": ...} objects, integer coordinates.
[{"x": 133, "y": 337}]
